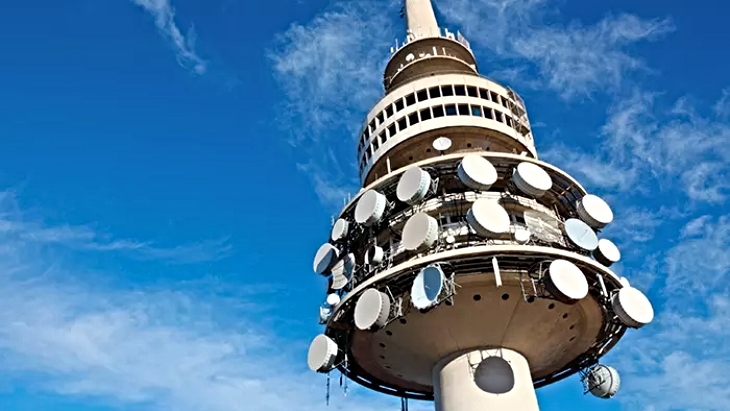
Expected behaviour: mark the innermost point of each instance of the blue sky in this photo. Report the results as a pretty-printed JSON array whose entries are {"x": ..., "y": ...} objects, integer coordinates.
[{"x": 168, "y": 168}]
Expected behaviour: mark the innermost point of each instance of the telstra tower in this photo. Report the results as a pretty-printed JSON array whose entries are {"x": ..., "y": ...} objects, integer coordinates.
[{"x": 466, "y": 271}]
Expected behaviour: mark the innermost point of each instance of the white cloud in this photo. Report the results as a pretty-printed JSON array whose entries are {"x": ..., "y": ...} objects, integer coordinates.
[
  {"x": 184, "y": 44},
  {"x": 576, "y": 60},
  {"x": 182, "y": 347}
]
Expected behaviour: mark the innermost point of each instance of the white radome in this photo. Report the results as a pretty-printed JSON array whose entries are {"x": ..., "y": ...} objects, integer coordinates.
[
  {"x": 370, "y": 208},
  {"x": 413, "y": 186},
  {"x": 325, "y": 258},
  {"x": 603, "y": 381},
  {"x": 420, "y": 232},
  {"x": 476, "y": 172},
  {"x": 322, "y": 354},
  {"x": 566, "y": 281},
  {"x": 488, "y": 218},
  {"x": 632, "y": 307},
  {"x": 372, "y": 310}
]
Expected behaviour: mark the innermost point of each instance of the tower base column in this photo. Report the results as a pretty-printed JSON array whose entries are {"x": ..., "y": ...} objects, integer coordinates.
[{"x": 490, "y": 379}]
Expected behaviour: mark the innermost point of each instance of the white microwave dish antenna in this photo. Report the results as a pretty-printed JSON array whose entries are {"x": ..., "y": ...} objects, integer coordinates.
[
  {"x": 531, "y": 179},
  {"x": 427, "y": 287},
  {"x": 370, "y": 208},
  {"x": 566, "y": 282},
  {"x": 325, "y": 258},
  {"x": 322, "y": 354},
  {"x": 420, "y": 232},
  {"x": 476, "y": 172},
  {"x": 442, "y": 144},
  {"x": 413, "y": 186},
  {"x": 594, "y": 211},
  {"x": 372, "y": 310},
  {"x": 580, "y": 234},
  {"x": 488, "y": 218}
]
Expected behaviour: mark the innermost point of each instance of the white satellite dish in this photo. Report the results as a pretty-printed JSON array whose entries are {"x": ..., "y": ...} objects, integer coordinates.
[
  {"x": 372, "y": 310},
  {"x": 531, "y": 179},
  {"x": 603, "y": 381},
  {"x": 413, "y": 186},
  {"x": 594, "y": 211},
  {"x": 325, "y": 258},
  {"x": 442, "y": 144},
  {"x": 322, "y": 354},
  {"x": 580, "y": 234},
  {"x": 374, "y": 255},
  {"x": 420, "y": 232},
  {"x": 488, "y": 218},
  {"x": 427, "y": 287},
  {"x": 370, "y": 208},
  {"x": 632, "y": 307},
  {"x": 476, "y": 172},
  {"x": 340, "y": 229},
  {"x": 566, "y": 282},
  {"x": 333, "y": 300},
  {"x": 607, "y": 253},
  {"x": 522, "y": 235}
]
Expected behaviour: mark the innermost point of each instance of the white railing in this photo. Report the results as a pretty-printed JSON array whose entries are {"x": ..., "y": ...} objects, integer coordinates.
[{"x": 445, "y": 33}]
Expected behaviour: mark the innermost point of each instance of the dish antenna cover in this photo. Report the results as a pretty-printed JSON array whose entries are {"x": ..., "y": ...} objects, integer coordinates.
[
  {"x": 488, "y": 218},
  {"x": 442, "y": 144},
  {"x": 566, "y": 282},
  {"x": 374, "y": 256},
  {"x": 607, "y": 253},
  {"x": 333, "y": 300},
  {"x": 522, "y": 235},
  {"x": 322, "y": 354},
  {"x": 372, "y": 310},
  {"x": 476, "y": 172},
  {"x": 427, "y": 287},
  {"x": 413, "y": 186},
  {"x": 325, "y": 258},
  {"x": 531, "y": 179},
  {"x": 340, "y": 230},
  {"x": 603, "y": 381},
  {"x": 632, "y": 307},
  {"x": 420, "y": 232},
  {"x": 370, "y": 208},
  {"x": 580, "y": 234},
  {"x": 594, "y": 211}
]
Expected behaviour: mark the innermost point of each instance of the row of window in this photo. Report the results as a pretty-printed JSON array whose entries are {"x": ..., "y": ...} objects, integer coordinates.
[
  {"x": 425, "y": 94},
  {"x": 431, "y": 113}
]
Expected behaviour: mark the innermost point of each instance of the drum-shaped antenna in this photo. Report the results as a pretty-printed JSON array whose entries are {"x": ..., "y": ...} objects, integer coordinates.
[
  {"x": 370, "y": 208},
  {"x": 488, "y": 218},
  {"x": 325, "y": 258},
  {"x": 607, "y": 253},
  {"x": 632, "y": 307},
  {"x": 342, "y": 271},
  {"x": 603, "y": 381},
  {"x": 580, "y": 234},
  {"x": 322, "y": 354},
  {"x": 374, "y": 255},
  {"x": 442, "y": 144},
  {"x": 420, "y": 232},
  {"x": 427, "y": 287},
  {"x": 413, "y": 186},
  {"x": 531, "y": 179},
  {"x": 522, "y": 235},
  {"x": 594, "y": 211},
  {"x": 372, "y": 310},
  {"x": 566, "y": 282},
  {"x": 340, "y": 229},
  {"x": 333, "y": 300},
  {"x": 476, "y": 172}
]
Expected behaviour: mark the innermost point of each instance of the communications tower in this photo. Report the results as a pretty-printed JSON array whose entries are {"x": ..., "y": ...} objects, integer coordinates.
[{"x": 466, "y": 271}]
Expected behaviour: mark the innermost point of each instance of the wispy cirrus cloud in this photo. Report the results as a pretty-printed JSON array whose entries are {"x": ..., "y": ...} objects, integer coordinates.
[
  {"x": 174, "y": 346},
  {"x": 183, "y": 43}
]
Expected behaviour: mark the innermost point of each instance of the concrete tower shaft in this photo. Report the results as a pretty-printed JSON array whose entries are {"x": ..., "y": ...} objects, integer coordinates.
[{"x": 421, "y": 19}]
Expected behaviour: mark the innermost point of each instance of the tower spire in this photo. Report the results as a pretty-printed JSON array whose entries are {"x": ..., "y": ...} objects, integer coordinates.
[{"x": 421, "y": 18}]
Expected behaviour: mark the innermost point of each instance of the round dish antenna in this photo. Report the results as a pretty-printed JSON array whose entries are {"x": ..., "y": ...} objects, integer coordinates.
[
  {"x": 340, "y": 230},
  {"x": 494, "y": 375},
  {"x": 333, "y": 300},
  {"x": 374, "y": 255},
  {"x": 488, "y": 218},
  {"x": 607, "y": 253},
  {"x": 325, "y": 258},
  {"x": 322, "y": 354},
  {"x": 594, "y": 211},
  {"x": 442, "y": 144},
  {"x": 420, "y": 232},
  {"x": 531, "y": 179},
  {"x": 566, "y": 282},
  {"x": 372, "y": 310},
  {"x": 476, "y": 172},
  {"x": 427, "y": 287},
  {"x": 580, "y": 234},
  {"x": 632, "y": 307},
  {"x": 370, "y": 208},
  {"x": 413, "y": 186},
  {"x": 522, "y": 235},
  {"x": 602, "y": 381}
]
